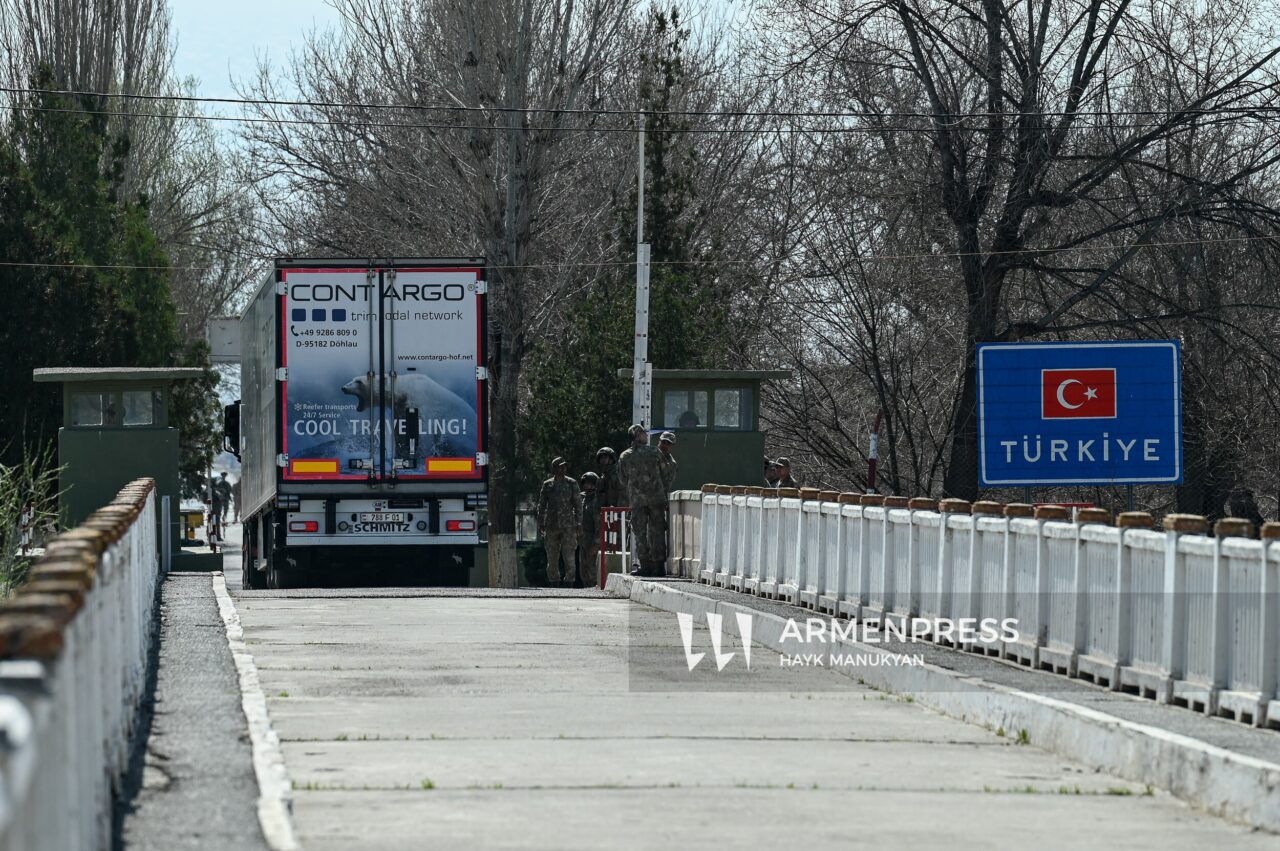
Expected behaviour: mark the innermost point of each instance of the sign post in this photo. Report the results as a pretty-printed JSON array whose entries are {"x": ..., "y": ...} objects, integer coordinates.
[{"x": 1079, "y": 413}]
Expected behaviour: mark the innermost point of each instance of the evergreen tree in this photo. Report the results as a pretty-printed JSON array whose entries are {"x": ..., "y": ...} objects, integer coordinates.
[{"x": 84, "y": 278}]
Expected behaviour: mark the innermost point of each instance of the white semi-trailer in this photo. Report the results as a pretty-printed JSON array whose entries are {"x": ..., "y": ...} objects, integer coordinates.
[{"x": 362, "y": 422}]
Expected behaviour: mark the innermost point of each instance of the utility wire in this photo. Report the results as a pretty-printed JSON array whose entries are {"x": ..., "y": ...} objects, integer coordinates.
[
  {"x": 407, "y": 125},
  {"x": 631, "y": 113},
  {"x": 866, "y": 258}
]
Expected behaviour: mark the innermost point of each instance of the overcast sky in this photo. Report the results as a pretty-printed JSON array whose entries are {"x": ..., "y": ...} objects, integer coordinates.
[{"x": 222, "y": 40}]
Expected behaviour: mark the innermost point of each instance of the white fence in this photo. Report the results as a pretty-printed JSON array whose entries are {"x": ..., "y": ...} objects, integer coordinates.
[
  {"x": 73, "y": 659},
  {"x": 1172, "y": 615}
]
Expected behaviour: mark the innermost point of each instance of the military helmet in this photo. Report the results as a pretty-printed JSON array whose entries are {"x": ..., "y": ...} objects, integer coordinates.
[
  {"x": 636, "y": 429},
  {"x": 667, "y": 437},
  {"x": 588, "y": 477},
  {"x": 557, "y": 462},
  {"x": 606, "y": 450}
]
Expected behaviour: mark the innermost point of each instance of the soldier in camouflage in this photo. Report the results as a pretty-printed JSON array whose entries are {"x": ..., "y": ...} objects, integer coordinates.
[
  {"x": 609, "y": 490},
  {"x": 665, "y": 444},
  {"x": 785, "y": 479},
  {"x": 642, "y": 474},
  {"x": 589, "y": 548},
  {"x": 772, "y": 472},
  {"x": 559, "y": 521}
]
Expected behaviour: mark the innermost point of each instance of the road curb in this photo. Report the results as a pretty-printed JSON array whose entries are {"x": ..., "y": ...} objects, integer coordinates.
[
  {"x": 275, "y": 791},
  {"x": 1237, "y": 787}
]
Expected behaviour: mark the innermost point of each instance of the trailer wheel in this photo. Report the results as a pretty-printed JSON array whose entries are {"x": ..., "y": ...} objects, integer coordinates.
[
  {"x": 280, "y": 575},
  {"x": 249, "y": 555}
]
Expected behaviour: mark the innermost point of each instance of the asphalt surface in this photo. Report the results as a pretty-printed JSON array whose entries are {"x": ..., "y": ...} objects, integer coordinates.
[
  {"x": 192, "y": 784},
  {"x": 480, "y": 721},
  {"x": 1220, "y": 732}
]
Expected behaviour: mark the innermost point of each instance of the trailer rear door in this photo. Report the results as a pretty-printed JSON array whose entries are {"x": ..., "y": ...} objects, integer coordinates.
[{"x": 382, "y": 373}]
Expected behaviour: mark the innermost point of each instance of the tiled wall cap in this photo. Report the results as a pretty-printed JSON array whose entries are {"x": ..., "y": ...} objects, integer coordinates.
[
  {"x": 88, "y": 537},
  {"x": 829, "y": 496},
  {"x": 67, "y": 545},
  {"x": 1233, "y": 527},
  {"x": 111, "y": 530},
  {"x": 872, "y": 499},
  {"x": 849, "y": 498},
  {"x": 896, "y": 502},
  {"x": 1093, "y": 515},
  {"x": 1189, "y": 524},
  {"x": 70, "y": 594},
  {"x": 809, "y": 493},
  {"x": 738, "y": 490},
  {"x": 72, "y": 558},
  {"x": 922, "y": 503},
  {"x": 955, "y": 506},
  {"x": 29, "y": 637},
  {"x": 1019, "y": 509},
  {"x": 988, "y": 506},
  {"x": 42, "y": 605},
  {"x": 49, "y": 585},
  {"x": 709, "y": 488},
  {"x": 62, "y": 572},
  {"x": 1135, "y": 520},
  {"x": 1053, "y": 512},
  {"x": 118, "y": 509},
  {"x": 136, "y": 491},
  {"x": 1271, "y": 531},
  {"x": 788, "y": 493},
  {"x": 724, "y": 490},
  {"x": 31, "y": 621}
]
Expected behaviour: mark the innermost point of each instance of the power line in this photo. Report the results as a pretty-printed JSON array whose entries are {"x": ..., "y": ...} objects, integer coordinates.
[
  {"x": 631, "y": 113},
  {"x": 407, "y": 125},
  {"x": 872, "y": 258}
]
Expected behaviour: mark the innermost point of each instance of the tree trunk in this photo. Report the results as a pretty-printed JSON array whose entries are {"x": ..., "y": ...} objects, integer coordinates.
[
  {"x": 961, "y": 480},
  {"x": 504, "y": 372},
  {"x": 1206, "y": 478}
]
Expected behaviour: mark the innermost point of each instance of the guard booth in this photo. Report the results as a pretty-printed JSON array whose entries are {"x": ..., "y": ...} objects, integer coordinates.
[
  {"x": 715, "y": 415},
  {"x": 115, "y": 428}
]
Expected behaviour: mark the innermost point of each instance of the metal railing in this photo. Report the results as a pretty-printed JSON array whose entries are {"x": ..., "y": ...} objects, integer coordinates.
[
  {"x": 74, "y": 641},
  {"x": 1171, "y": 614}
]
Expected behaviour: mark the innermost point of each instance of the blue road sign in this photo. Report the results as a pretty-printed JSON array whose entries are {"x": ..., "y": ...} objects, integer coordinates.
[{"x": 1080, "y": 413}]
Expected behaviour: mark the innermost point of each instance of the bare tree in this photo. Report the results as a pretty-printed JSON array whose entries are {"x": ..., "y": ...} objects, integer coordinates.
[
  {"x": 497, "y": 177},
  {"x": 1062, "y": 144},
  {"x": 178, "y": 166}
]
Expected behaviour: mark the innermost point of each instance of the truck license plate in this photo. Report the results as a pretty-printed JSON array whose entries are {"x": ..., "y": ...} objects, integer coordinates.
[{"x": 382, "y": 517}]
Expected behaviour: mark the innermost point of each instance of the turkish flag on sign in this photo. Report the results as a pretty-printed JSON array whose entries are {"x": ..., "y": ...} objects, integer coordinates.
[{"x": 1078, "y": 393}]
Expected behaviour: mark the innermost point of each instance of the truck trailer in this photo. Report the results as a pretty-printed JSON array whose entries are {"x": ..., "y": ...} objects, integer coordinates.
[{"x": 362, "y": 423}]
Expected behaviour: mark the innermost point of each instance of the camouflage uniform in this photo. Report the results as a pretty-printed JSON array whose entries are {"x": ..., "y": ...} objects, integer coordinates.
[
  {"x": 589, "y": 547},
  {"x": 786, "y": 480},
  {"x": 221, "y": 497},
  {"x": 668, "y": 461},
  {"x": 560, "y": 522},
  {"x": 609, "y": 490},
  {"x": 642, "y": 474}
]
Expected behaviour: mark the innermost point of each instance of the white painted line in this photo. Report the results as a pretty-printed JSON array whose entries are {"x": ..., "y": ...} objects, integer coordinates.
[{"x": 275, "y": 792}]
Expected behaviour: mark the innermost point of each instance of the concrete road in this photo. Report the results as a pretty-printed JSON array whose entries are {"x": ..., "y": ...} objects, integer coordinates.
[{"x": 507, "y": 722}]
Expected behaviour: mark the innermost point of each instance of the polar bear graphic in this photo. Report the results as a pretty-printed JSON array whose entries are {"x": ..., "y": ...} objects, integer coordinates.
[{"x": 436, "y": 404}]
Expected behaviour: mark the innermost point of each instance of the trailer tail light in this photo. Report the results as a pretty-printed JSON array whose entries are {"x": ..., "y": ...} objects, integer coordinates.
[
  {"x": 304, "y": 526},
  {"x": 459, "y": 525}
]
